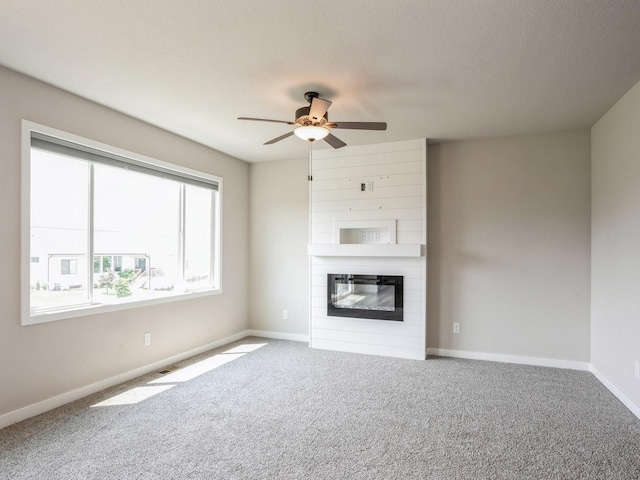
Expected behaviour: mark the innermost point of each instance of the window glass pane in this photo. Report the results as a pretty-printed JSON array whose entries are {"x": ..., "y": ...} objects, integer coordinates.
[
  {"x": 153, "y": 232},
  {"x": 106, "y": 263},
  {"x": 136, "y": 220},
  {"x": 59, "y": 203},
  {"x": 198, "y": 247}
]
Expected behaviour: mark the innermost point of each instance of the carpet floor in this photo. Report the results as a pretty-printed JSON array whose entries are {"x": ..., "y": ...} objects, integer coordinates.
[{"x": 271, "y": 409}]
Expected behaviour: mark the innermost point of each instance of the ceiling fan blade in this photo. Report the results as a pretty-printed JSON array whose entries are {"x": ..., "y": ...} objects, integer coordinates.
[
  {"x": 319, "y": 107},
  {"x": 358, "y": 125},
  {"x": 277, "y": 139},
  {"x": 335, "y": 142},
  {"x": 265, "y": 120}
]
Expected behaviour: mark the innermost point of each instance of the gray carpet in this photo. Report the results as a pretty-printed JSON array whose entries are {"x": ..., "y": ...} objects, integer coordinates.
[{"x": 286, "y": 411}]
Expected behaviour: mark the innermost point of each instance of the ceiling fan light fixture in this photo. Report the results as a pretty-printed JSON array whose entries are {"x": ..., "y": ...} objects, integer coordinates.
[
  {"x": 311, "y": 133},
  {"x": 313, "y": 123}
]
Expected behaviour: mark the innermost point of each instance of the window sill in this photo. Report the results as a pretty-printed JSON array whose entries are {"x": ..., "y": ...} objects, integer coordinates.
[{"x": 95, "y": 309}]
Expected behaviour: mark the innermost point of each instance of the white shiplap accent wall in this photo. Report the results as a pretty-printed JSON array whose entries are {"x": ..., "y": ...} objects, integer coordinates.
[{"x": 398, "y": 173}]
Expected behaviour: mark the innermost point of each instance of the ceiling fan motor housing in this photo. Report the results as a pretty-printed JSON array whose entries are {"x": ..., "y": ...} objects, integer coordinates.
[{"x": 302, "y": 117}]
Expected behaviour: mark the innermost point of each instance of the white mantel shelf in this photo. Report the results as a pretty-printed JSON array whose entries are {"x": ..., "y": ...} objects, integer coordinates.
[{"x": 365, "y": 250}]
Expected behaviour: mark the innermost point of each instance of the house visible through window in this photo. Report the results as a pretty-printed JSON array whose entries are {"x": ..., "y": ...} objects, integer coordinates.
[{"x": 116, "y": 229}]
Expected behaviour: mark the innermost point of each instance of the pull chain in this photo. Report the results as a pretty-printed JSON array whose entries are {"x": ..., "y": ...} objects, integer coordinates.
[
  {"x": 310, "y": 179},
  {"x": 310, "y": 175}
]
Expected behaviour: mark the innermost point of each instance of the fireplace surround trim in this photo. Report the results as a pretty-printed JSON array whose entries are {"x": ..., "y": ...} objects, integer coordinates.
[{"x": 366, "y": 250}]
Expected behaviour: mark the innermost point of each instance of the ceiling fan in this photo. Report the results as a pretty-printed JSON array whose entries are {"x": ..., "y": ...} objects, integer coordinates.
[{"x": 312, "y": 123}]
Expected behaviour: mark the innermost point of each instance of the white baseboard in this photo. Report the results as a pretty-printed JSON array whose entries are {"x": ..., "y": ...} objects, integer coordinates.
[
  {"x": 278, "y": 335},
  {"x": 635, "y": 409},
  {"x": 498, "y": 357},
  {"x": 64, "y": 398},
  {"x": 541, "y": 362}
]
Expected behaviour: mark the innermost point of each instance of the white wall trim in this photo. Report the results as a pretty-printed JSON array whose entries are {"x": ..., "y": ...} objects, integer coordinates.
[
  {"x": 541, "y": 362},
  {"x": 67, "y": 397},
  {"x": 279, "y": 335},
  {"x": 498, "y": 357},
  {"x": 62, "y": 399},
  {"x": 635, "y": 409}
]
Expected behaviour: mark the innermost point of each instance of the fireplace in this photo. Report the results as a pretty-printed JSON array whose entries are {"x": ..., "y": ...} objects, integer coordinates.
[{"x": 376, "y": 297}]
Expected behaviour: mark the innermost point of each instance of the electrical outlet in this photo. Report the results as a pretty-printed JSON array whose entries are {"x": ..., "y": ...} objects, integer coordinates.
[
  {"x": 147, "y": 339},
  {"x": 456, "y": 327},
  {"x": 285, "y": 314},
  {"x": 637, "y": 370}
]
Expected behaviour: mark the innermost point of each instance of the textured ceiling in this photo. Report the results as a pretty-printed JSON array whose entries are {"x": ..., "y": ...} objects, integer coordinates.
[{"x": 437, "y": 69}]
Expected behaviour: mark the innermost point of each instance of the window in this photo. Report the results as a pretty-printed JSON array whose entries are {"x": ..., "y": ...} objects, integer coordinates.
[
  {"x": 68, "y": 267},
  {"x": 113, "y": 228},
  {"x": 117, "y": 263}
]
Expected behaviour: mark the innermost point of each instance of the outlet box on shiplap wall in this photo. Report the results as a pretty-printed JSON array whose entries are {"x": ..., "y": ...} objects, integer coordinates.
[{"x": 372, "y": 183}]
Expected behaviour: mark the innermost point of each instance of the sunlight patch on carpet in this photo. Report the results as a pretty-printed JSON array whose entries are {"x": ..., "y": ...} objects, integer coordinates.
[
  {"x": 133, "y": 396},
  {"x": 138, "y": 394},
  {"x": 246, "y": 348},
  {"x": 192, "y": 371}
]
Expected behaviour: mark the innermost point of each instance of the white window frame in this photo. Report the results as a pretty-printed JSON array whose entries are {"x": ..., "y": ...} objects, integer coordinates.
[{"x": 29, "y": 318}]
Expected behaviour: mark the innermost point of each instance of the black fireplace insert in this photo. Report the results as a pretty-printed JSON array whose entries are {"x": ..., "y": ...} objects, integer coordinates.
[{"x": 376, "y": 297}]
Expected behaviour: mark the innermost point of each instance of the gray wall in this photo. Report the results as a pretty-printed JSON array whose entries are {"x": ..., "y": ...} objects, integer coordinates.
[
  {"x": 615, "y": 253},
  {"x": 278, "y": 252},
  {"x": 40, "y": 361},
  {"x": 509, "y": 245}
]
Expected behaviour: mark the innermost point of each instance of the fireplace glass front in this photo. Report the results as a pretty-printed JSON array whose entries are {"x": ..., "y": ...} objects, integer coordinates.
[{"x": 364, "y": 296}]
